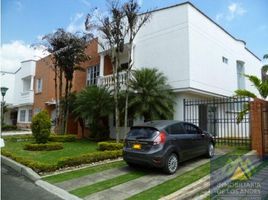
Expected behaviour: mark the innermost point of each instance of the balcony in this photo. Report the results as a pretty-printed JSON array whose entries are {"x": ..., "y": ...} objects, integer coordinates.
[
  {"x": 26, "y": 97},
  {"x": 108, "y": 80}
]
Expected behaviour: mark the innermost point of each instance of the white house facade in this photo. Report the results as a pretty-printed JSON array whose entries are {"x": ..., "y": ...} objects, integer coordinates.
[
  {"x": 200, "y": 59},
  {"x": 20, "y": 95}
]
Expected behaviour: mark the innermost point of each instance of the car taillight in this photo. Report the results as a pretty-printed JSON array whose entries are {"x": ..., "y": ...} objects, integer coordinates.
[{"x": 160, "y": 139}]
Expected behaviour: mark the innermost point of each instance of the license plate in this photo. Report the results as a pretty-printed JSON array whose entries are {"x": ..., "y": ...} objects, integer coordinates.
[{"x": 136, "y": 146}]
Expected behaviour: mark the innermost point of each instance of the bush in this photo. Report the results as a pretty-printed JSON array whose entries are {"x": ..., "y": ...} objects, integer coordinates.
[
  {"x": 43, "y": 147},
  {"x": 89, "y": 158},
  {"x": 104, "y": 146},
  {"x": 36, "y": 166},
  {"x": 62, "y": 138},
  {"x": 41, "y": 127},
  {"x": 18, "y": 138},
  {"x": 6, "y": 127}
]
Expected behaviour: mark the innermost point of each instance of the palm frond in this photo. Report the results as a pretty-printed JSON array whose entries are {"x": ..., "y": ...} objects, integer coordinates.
[{"x": 244, "y": 93}]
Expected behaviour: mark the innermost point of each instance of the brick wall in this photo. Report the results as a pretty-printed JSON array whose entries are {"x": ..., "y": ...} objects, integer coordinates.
[{"x": 259, "y": 126}]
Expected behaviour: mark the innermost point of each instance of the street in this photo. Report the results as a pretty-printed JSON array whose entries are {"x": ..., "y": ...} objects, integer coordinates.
[{"x": 15, "y": 186}]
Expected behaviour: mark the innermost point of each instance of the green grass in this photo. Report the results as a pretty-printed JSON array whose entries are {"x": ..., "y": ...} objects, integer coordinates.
[
  {"x": 51, "y": 157},
  {"x": 83, "y": 172},
  {"x": 185, "y": 179},
  {"x": 90, "y": 189}
]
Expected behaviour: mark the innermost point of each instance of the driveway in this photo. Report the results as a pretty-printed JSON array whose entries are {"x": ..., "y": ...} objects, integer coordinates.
[
  {"x": 16, "y": 187},
  {"x": 132, "y": 187}
]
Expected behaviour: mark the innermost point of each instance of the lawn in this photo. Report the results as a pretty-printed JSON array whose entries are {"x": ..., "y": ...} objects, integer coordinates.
[{"x": 51, "y": 157}]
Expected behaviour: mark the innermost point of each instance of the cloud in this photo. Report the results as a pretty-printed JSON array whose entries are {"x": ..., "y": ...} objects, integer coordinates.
[
  {"x": 15, "y": 52},
  {"x": 140, "y": 2},
  {"x": 233, "y": 10},
  {"x": 77, "y": 23}
]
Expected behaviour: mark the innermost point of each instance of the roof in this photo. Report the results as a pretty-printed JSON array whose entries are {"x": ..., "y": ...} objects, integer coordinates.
[
  {"x": 189, "y": 3},
  {"x": 157, "y": 124}
]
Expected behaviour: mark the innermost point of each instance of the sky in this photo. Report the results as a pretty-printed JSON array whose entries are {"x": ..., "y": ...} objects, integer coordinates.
[{"x": 25, "y": 22}]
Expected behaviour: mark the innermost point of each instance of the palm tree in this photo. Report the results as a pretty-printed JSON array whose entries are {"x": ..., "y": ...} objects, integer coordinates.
[
  {"x": 151, "y": 96},
  {"x": 93, "y": 105},
  {"x": 260, "y": 85}
]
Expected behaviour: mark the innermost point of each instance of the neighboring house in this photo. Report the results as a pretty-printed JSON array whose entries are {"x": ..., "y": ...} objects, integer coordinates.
[
  {"x": 200, "y": 59},
  {"x": 20, "y": 95},
  {"x": 44, "y": 96}
]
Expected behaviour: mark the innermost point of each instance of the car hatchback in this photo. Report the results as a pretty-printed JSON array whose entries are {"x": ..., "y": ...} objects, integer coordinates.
[{"x": 165, "y": 143}]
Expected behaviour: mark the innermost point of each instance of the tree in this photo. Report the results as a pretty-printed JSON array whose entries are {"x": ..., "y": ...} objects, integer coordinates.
[
  {"x": 151, "y": 96},
  {"x": 113, "y": 31},
  {"x": 68, "y": 52},
  {"x": 260, "y": 85},
  {"x": 134, "y": 23},
  {"x": 94, "y": 104}
]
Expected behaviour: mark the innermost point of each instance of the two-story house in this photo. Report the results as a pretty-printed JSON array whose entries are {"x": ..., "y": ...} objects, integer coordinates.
[
  {"x": 20, "y": 95},
  {"x": 200, "y": 59}
]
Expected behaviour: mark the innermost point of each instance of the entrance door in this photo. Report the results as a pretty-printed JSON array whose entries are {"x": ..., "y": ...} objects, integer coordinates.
[{"x": 212, "y": 114}]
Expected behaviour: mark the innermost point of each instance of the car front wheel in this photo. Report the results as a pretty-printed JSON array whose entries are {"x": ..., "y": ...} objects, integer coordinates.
[
  {"x": 171, "y": 164},
  {"x": 210, "y": 150}
]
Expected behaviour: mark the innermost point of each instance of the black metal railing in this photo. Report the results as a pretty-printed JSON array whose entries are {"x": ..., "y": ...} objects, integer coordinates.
[{"x": 218, "y": 116}]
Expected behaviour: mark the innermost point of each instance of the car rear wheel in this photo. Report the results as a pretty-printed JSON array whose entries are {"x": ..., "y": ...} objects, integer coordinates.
[
  {"x": 171, "y": 164},
  {"x": 210, "y": 150}
]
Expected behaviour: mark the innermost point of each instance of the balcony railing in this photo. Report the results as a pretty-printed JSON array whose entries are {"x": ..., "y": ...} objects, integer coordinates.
[{"x": 108, "y": 80}]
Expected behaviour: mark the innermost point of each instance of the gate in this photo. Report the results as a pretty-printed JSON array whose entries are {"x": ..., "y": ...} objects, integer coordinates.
[{"x": 218, "y": 116}]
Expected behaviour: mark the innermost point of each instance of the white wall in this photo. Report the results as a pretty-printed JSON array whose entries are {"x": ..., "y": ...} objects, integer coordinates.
[
  {"x": 24, "y": 97},
  {"x": 208, "y": 44},
  {"x": 163, "y": 43}
]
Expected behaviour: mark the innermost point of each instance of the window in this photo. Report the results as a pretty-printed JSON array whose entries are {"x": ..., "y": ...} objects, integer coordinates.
[
  {"x": 39, "y": 85},
  {"x": 37, "y": 110},
  {"x": 124, "y": 66},
  {"x": 224, "y": 60},
  {"x": 22, "y": 115},
  {"x": 240, "y": 75},
  {"x": 30, "y": 114},
  {"x": 190, "y": 129},
  {"x": 26, "y": 84},
  {"x": 93, "y": 74},
  {"x": 175, "y": 129}
]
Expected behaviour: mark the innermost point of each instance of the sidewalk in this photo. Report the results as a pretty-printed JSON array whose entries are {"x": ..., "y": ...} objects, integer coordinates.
[{"x": 8, "y": 133}]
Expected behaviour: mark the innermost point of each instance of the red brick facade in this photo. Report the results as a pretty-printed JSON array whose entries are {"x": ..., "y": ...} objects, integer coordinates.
[
  {"x": 44, "y": 71},
  {"x": 259, "y": 126}
]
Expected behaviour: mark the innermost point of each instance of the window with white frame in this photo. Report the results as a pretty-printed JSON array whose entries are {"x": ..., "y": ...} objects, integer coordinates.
[
  {"x": 30, "y": 114},
  {"x": 39, "y": 85},
  {"x": 26, "y": 84},
  {"x": 93, "y": 73},
  {"x": 240, "y": 75},
  {"x": 224, "y": 60},
  {"x": 22, "y": 115}
]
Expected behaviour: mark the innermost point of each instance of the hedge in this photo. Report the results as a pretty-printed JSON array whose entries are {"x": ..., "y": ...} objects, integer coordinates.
[
  {"x": 109, "y": 146},
  {"x": 35, "y": 165},
  {"x": 43, "y": 147},
  {"x": 89, "y": 158},
  {"x": 62, "y": 138},
  {"x": 19, "y": 138},
  {"x": 6, "y": 127},
  {"x": 64, "y": 162}
]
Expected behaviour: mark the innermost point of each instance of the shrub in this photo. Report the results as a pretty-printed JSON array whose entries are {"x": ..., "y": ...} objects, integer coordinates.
[
  {"x": 35, "y": 165},
  {"x": 104, "y": 146},
  {"x": 89, "y": 158},
  {"x": 43, "y": 147},
  {"x": 6, "y": 127},
  {"x": 18, "y": 138},
  {"x": 41, "y": 127},
  {"x": 62, "y": 138}
]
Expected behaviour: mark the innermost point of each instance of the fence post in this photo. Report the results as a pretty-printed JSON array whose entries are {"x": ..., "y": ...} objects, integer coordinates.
[{"x": 256, "y": 108}]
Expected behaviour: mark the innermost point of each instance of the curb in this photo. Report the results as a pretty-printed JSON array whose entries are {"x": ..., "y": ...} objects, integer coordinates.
[
  {"x": 34, "y": 177},
  {"x": 200, "y": 186}
]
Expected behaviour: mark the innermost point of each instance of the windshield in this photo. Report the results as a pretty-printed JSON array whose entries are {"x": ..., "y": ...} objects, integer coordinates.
[{"x": 142, "y": 133}]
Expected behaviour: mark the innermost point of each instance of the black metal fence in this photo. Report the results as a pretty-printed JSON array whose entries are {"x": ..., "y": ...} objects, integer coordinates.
[{"x": 218, "y": 116}]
